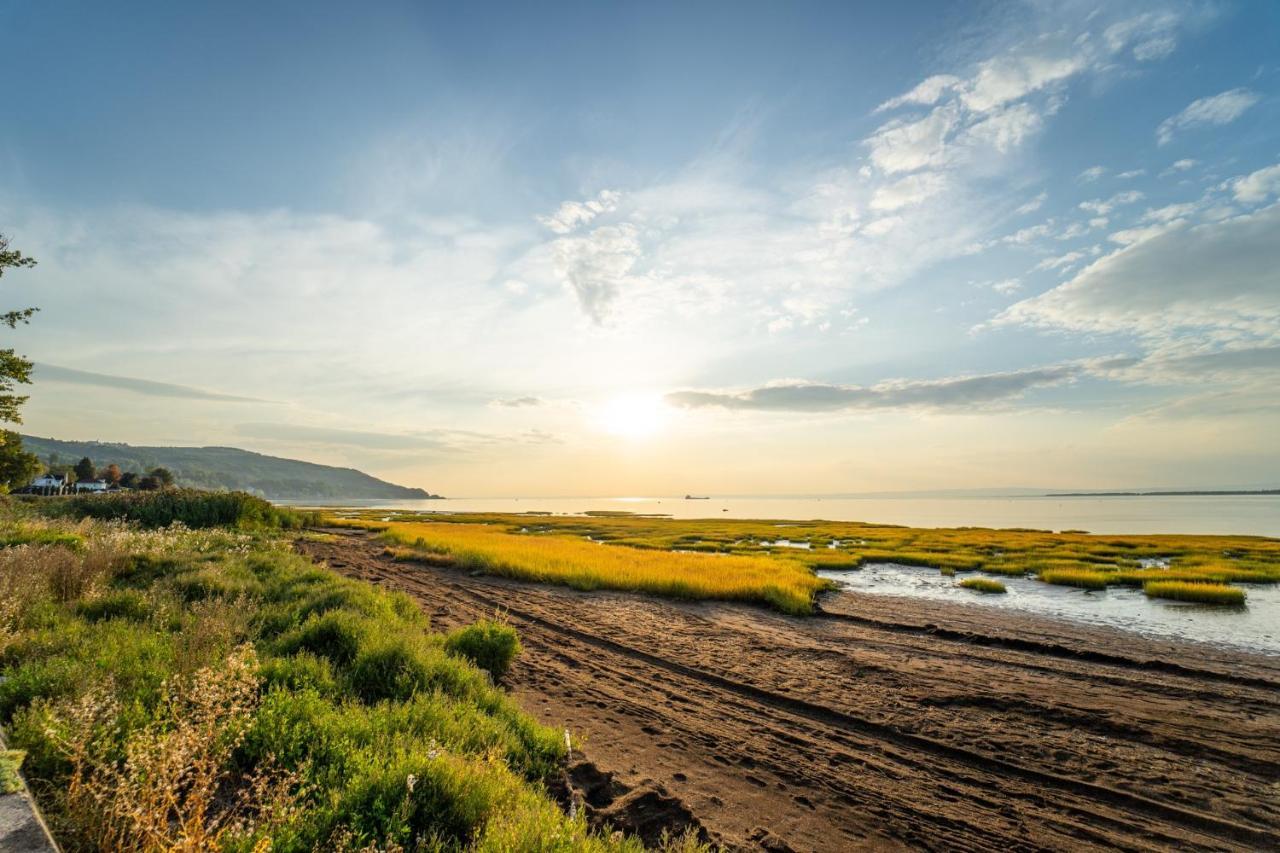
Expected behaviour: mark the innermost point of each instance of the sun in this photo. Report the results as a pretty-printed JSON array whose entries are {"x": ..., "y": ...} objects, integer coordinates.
[{"x": 633, "y": 416}]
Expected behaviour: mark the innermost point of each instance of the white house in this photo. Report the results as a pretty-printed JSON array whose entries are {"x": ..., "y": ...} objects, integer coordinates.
[
  {"x": 50, "y": 484},
  {"x": 91, "y": 486}
]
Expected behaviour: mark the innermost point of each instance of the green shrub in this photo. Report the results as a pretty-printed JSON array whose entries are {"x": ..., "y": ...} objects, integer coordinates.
[
  {"x": 389, "y": 669},
  {"x": 335, "y": 636},
  {"x": 489, "y": 644}
]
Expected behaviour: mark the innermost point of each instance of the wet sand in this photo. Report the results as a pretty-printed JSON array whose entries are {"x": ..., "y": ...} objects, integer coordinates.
[{"x": 881, "y": 723}]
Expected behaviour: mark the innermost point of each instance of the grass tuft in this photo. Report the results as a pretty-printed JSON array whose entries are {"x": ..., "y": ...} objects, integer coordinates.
[
  {"x": 985, "y": 585},
  {"x": 1205, "y": 593}
]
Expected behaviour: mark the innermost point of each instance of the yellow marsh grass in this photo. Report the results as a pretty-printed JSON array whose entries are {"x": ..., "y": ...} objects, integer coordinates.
[
  {"x": 784, "y": 584},
  {"x": 1083, "y": 578},
  {"x": 1206, "y": 593}
]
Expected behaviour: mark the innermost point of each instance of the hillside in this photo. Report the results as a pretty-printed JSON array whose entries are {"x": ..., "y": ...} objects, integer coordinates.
[{"x": 229, "y": 468}]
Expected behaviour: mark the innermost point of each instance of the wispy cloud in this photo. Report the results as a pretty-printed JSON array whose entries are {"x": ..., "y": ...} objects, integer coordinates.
[
  {"x": 1223, "y": 108},
  {"x": 518, "y": 402},
  {"x": 959, "y": 392},
  {"x": 70, "y": 376}
]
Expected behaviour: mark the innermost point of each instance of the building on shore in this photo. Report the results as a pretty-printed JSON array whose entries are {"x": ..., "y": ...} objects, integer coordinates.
[{"x": 50, "y": 484}]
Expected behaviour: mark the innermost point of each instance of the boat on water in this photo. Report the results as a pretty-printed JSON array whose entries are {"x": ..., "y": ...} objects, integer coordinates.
[{"x": 696, "y": 498}]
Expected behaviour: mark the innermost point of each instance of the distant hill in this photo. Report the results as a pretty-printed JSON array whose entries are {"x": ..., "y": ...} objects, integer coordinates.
[{"x": 229, "y": 468}]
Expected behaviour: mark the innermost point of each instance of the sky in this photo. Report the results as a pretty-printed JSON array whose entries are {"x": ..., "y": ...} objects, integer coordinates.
[{"x": 626, "y": 249}]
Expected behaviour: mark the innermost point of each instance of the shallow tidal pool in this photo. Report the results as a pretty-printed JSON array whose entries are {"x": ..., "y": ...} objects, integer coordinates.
[{"x": 1255, "y": 627}]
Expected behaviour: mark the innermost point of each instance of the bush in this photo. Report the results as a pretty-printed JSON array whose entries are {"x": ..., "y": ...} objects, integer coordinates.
[
  {"x": 192, "y": 507},
  {"x": 389, "y": 669},
  {"x": 335, "y": 636},
  {"x": 489, "y": 644}
]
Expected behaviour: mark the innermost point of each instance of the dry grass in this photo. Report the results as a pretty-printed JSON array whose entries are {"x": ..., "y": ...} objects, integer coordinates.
[{"x": 163, "y": 793}]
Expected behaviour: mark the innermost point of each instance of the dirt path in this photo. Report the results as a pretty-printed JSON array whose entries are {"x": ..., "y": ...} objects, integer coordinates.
[{"x": 883, "y": 723}]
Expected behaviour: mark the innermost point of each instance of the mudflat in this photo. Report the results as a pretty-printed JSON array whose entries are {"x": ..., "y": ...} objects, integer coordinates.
[{"x": 879, "y": 723}]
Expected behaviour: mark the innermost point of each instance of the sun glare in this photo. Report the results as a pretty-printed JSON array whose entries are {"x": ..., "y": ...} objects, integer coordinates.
[{"x": 633, "y": 416}]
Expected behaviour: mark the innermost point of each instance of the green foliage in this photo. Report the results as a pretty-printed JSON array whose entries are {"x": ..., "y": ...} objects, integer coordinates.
[
  {"x": 14, "y": 369},
  {"x": 490, "y": 644},
  {"x": 189, "y": 506},
  {"x": 85, "y": 469},
  {"x": 10, "y": 763},
  {"x": 17, "y": 467}
]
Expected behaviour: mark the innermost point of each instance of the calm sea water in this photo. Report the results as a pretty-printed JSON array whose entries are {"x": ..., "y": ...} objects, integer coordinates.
[
  {"x": 1256, "y": 626},
  {"x": 1246, "y": 514}
]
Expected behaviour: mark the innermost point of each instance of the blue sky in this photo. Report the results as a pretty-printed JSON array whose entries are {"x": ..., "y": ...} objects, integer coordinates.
[{"x": 594, "y": 248}]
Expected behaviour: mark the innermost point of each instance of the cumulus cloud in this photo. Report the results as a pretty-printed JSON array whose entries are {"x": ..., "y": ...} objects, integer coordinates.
[
  {"x": 903, "y": 146},
  {"x": 1257, "y": 186},
  {"x": 1219, "y": 276},
  {"x": 1013, "y": 76},
  {"x": 1151, "y": 36},
  {"x": 958, "y": 392},
  {"x": 595, "y": 266},
  {"x": 1219, "y": 109},
  {"x": 573, "y": 214}
]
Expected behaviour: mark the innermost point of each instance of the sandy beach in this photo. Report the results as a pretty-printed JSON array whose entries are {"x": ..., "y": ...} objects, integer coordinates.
[{"x": 878, "y": 723}]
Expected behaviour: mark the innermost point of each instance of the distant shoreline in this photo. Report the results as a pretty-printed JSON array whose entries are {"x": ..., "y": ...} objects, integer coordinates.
[{"x": 1223, "y": 492}]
